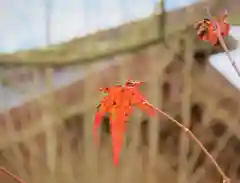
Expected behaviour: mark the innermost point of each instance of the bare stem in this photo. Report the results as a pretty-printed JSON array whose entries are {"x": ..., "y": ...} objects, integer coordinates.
[
  {"x": 220, "y": 38},
  {"x": 192, "y": 136},
  {"x": 228, "y": 54},
  {"x": 4, "y": 170}
]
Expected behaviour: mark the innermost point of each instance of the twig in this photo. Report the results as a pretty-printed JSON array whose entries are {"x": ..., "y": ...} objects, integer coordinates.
[
  {"x": 191, "y": 135},
  {"x": 4, "y": 170},
  {"x": 220, "y": 38},
  {"x": 228, "y": 55}
]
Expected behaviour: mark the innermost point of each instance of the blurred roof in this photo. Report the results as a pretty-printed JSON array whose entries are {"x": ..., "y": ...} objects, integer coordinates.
[{"x": 105, "y": 43}]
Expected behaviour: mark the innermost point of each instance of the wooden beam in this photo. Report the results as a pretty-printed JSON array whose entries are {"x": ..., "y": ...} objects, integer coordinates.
[
  {"x": 155, "y": 97},
  {"x": 211, "y": 103},
  {"x": 129, "y": 37},
  {"x": 221, "y": 144},
  {"x": 90, "y": 148},
  {"x": 48, "y": 122},
  {"x": 234, "y": 19},
  {"x": 185, "y": 109}
]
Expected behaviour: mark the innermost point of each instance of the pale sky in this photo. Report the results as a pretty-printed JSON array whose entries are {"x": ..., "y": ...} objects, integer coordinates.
[
  {"x": 22, "y": 23},
  {"x": 223, "y": 65}
]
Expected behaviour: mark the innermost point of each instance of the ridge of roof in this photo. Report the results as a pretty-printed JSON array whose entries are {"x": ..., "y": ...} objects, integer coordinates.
[{"x": 123, "y": 38}]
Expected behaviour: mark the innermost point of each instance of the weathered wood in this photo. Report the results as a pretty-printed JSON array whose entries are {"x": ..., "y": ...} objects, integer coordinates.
[
  {"x": 221, "y": 144},
  {"x": 137, "y": 164},
  {"x": 127, "y": 38},
  {"x": 155, "y": 81},
  {"x": 186, "y": 108},
  {"x": 49, "y": 117}
]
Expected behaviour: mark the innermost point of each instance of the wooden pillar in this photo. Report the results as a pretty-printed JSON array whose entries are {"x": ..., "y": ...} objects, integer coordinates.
[
  {"x": 16, "y": 151},
  {"x": 90, "y": 148},
  {"x": 185, "y": 110},
  {"x": 128, "y": 155},
  {"x": 155, "y": 97},
  {"x": 196, "y": 149},
  {"x": 31, "y": 143},
  {"x": 233, "y": 170},
  {"x": 49, "y": 118},
  {"x": 221, "y": 144}
]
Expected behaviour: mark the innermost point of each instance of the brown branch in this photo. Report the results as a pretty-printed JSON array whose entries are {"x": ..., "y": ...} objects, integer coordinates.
[
  {"x": 13, "y": 176},
  {"x": 220, "y": 38},
  {"x": 192, "y": 136}
]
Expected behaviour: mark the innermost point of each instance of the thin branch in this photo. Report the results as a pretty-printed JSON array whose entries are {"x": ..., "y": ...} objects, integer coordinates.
[
  {"x": 228, "y": 54},
  {"x": 192, "y": 136},
  {"x": 4, "y": 170},
  {"x": 220, "y": 38}
]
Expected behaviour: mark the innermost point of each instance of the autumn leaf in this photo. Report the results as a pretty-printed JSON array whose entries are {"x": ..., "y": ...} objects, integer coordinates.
[
  {"x": 119, "y": 103},
  {"x": 213, "y": 30},
  {"x": 209, "y": 29}
]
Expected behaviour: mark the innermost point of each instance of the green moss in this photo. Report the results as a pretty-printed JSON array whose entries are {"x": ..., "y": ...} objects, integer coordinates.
[
  {"x": 234, "y": 19},
  {"x": 85, "y": 48}
]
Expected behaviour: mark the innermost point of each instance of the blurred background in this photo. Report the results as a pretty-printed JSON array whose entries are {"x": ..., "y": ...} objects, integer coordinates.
[{"x": 54, "y": 57}]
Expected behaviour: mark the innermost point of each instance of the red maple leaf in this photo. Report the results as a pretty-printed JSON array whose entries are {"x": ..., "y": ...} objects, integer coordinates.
[
  {"x": 209, "y": 29},
  {"x": 119, "y": 103},
  {"x": 213, "y": 30}
]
